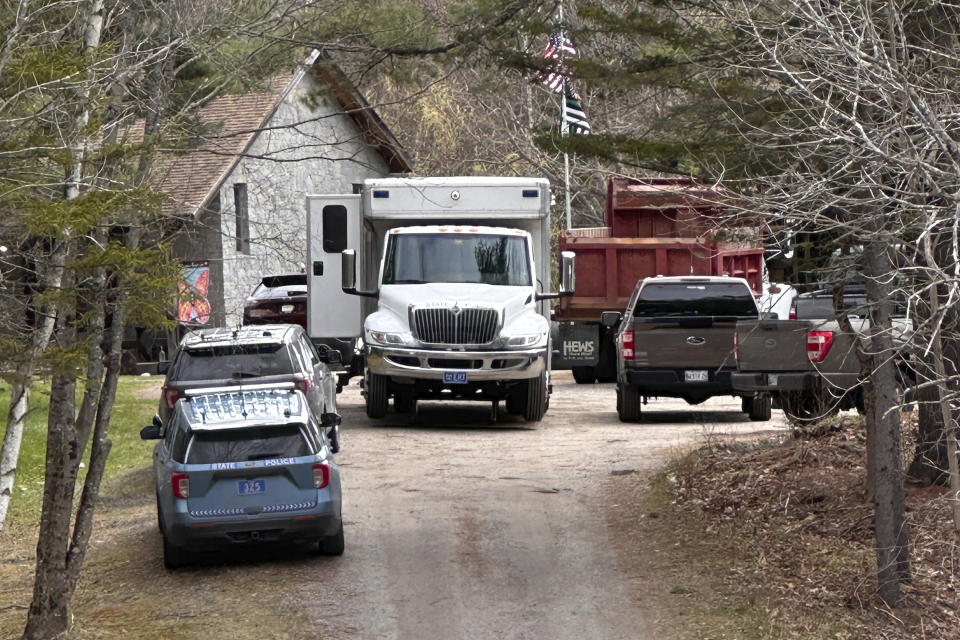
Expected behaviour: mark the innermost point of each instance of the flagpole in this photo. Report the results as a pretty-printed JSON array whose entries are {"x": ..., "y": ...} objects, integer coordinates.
[{"x": 563, "y": 132}]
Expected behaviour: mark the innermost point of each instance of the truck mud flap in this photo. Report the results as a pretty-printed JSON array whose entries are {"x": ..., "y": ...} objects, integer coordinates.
[{"x": 575, "y": 345}]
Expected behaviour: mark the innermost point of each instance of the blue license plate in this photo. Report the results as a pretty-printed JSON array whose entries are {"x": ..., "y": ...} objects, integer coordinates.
[
  {"x": 455, "y": 377},
  {"x": 250, "y": 487}
]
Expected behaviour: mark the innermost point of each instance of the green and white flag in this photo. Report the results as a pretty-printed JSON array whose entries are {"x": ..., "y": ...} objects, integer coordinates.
[{"x": 574, "y": 118}]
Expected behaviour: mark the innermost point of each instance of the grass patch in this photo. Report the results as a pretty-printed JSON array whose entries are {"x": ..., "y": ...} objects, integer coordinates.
[{"x": 135, "y": 405}]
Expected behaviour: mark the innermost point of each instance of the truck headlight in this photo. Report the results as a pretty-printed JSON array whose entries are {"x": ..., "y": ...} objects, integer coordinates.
[
  {"x": 525, "y": 340},
  {"x": 389, "y": 338}
]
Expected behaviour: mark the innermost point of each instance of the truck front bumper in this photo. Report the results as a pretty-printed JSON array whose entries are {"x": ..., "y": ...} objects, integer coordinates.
[{"x": 421, "y": 364}]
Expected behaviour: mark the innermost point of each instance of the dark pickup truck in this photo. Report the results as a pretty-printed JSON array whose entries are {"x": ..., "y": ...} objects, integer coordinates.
[
  {"x": 676, "y": 340},
  {"x": 807, "y": 363}
]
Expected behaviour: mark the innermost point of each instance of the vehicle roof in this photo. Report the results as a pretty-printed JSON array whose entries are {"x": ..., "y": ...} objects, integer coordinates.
[
  {"x": 247, "y": 334},
  {"x": 454, "y": 181},
  {"x": 694, "y": 279},
  {"x": 220, "y": 408},
  {"x": 459, "y": 228}
]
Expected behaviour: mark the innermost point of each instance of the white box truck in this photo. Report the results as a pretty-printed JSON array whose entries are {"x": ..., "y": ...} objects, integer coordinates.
[{"x": 444, "y": 284}]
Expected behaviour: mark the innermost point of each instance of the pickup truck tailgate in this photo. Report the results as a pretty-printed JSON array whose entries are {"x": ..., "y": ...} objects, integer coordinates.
[
  {"x": 772, "y": 345},
  {"x": 701, "y": 345}
]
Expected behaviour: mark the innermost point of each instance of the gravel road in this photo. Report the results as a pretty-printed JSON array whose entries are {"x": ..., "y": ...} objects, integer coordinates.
[{"x": 456, "y": 527}]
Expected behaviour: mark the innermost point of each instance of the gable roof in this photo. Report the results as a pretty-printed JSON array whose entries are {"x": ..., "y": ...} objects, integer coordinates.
[{"x": 192, "y": 179}]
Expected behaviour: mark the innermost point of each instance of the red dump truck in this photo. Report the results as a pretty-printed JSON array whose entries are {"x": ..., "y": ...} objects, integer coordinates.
[{"x": 653, "y": 226}]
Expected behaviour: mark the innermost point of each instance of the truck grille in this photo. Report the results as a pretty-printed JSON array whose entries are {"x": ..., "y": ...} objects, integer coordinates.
[{"x": 444, "y": 326}]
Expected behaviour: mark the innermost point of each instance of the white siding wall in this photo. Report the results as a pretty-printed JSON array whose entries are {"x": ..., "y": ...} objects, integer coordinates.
[{"x": 323, "y": 153}]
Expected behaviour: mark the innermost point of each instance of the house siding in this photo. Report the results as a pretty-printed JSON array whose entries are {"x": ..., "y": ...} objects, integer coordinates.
[{"x": 307, "y": 147}]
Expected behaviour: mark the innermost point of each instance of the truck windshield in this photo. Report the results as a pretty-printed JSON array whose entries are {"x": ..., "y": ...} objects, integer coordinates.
[
  {"x": 695, "y": 299},
  {"x": 418, "y": 258}
]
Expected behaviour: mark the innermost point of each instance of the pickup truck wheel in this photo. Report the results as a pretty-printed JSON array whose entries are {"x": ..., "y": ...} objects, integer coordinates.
[
  {"x": 376, "y": 392},
  {"x": 584, "y": 375},
  {"x": 535, "y": 403},
  {"x": 760, "y": 408},
  {"x": 628, "y": 405},
  {"x": 745, "y": 403}
]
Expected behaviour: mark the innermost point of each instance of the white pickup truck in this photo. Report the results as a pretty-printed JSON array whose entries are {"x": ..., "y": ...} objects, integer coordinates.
[{"x": 452, "y": 301}]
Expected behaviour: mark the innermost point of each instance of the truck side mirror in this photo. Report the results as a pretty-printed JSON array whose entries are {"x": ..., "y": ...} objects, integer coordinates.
[
  {"x": 610, "y": 319},
  {"x": 331, "y": 356},
  {"x": 348, "y": 270},
  {"x": 348, "y": 275},
  {"x": 568, "y": 276}
]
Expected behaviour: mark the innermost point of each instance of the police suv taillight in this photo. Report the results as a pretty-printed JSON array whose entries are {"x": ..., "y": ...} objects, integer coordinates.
[
  {"x": 170, "y": 396},
  {"x": 818, "y": 345},
  {"x": 626, "y": 347},
  {"x": 321, "y": 474},
  {"x": 180, "y": 483}
]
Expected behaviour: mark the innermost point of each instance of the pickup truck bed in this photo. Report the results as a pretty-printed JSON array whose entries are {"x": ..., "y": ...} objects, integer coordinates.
[{"x": 783, "y": 358}]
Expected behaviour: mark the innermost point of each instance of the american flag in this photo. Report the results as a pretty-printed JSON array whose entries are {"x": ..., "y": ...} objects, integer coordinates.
[{"x": 558, "y": 48}]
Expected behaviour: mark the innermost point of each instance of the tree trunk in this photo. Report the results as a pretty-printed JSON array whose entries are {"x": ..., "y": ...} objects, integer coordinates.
[
  {"x": 893, "y": 561},
  {"x": 48, "y": 614}
]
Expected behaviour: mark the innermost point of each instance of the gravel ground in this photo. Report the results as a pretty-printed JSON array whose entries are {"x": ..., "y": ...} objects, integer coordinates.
[{"x": 455, "y": 527}]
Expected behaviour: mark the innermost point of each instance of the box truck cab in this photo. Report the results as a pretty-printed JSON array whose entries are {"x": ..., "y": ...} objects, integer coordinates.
[{"x": 447, "y": 283}]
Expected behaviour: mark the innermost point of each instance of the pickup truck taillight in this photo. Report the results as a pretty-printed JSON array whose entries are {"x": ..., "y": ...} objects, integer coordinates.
[
  {"x": 626, "y": 347},
  {"x": 793, "y": 312},
  {"x": 818, "y": 344},
  {"x": 180, "y": 483}
]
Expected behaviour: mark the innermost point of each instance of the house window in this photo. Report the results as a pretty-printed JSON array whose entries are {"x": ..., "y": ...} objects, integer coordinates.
[{"x": 243, "y": 217}]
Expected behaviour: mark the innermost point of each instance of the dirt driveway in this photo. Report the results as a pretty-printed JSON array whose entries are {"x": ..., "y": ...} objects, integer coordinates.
[{"x": 455, "y": 528}]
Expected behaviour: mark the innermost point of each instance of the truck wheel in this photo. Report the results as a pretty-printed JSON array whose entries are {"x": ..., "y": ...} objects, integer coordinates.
[
  {"x": 628, "y": 404},
  {"x": 760, "y": 407},
  {"x": 745, "y": 403},
  {"x": 535, "y": 403},
  {"x": 376, "y": 392},
  {"x": 583, "y": 375}
]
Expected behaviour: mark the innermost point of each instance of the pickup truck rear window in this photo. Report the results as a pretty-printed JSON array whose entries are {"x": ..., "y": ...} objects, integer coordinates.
[{"x": 695, "y": 299}]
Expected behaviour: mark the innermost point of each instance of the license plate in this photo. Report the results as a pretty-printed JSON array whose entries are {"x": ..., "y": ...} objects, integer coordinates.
[
  {"x": 772, "y": 379},
  {"x": 455, "y": 377},
  {"x": 250, "y": 487},
  {"x": 286, "y": 308},
  {"x": 695, "y": 376}
]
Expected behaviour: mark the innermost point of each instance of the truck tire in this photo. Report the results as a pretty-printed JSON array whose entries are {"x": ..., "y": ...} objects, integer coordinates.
[
  {"x": 628, "y": 404},
  {"x": 584, "y": 375},
  {"x": 807, "y": 406},
  {"x": 376, "y": 392},
  {"x": 535, "y": 402},
  {"x": 760, "y": 408}
]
